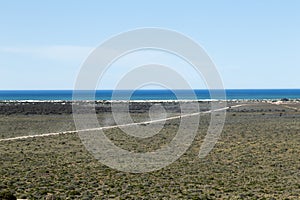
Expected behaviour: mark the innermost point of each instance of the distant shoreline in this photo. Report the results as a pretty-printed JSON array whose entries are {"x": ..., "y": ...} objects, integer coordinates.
[
  {"x": 46, "y": 107},
  {"x": 151, "y": 101}
]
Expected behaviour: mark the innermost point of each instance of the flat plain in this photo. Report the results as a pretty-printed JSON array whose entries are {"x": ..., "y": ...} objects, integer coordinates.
[{"x": 256, "y": 157}]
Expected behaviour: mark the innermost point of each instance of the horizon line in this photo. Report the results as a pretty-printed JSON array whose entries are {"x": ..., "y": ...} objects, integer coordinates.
[{"x": 149, "y": 89}]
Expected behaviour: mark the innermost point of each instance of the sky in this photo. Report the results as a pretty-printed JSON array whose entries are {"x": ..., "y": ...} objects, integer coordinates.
[{"x": 253, "y": 44}]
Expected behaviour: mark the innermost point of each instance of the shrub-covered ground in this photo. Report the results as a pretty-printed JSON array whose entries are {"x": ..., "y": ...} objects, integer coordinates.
[{"x": 256, "y": 157}]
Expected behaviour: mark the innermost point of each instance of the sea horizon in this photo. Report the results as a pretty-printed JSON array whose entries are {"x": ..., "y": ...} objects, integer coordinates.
[{"x": 152, "y": 94}]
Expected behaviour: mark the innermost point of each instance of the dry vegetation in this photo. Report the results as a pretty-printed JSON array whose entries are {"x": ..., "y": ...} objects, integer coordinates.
[{"x": 257, "y": 157}]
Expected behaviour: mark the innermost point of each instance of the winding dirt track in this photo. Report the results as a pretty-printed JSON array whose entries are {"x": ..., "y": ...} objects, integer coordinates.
[
  {"x": 284, "y": 105},
  {"x": 117, "y": 126}
]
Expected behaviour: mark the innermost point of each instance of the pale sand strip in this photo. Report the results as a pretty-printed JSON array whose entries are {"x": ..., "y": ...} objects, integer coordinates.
[
  {"x": 117, "y": 126},
  {"x": 280, "y": 103}
]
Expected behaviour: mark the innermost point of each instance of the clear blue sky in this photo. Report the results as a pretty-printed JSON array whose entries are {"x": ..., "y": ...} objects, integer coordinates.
[{"x": 254, "y": 44}]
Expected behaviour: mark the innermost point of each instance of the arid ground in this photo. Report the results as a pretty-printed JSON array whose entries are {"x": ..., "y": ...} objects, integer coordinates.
[{"x": 256, "y": 157}]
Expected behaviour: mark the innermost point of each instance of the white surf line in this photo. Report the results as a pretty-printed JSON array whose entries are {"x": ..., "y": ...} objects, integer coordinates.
[{"x": 117, "y": 126}]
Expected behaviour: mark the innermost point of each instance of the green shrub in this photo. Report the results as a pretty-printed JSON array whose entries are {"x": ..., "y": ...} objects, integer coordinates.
[{"x": 7, "y": 195}]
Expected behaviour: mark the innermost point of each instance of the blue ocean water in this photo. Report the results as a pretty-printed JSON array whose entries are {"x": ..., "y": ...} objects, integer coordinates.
[{"x": 252, "y": 94}]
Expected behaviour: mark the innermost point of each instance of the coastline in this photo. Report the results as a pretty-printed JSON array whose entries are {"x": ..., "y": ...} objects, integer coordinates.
[
  {"x": 48, "y": 107},
  {"x": 153, "y": 100}
]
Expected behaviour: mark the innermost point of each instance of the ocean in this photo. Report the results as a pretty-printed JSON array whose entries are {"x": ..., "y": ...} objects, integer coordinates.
[{"x": 231, "y": 94}]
